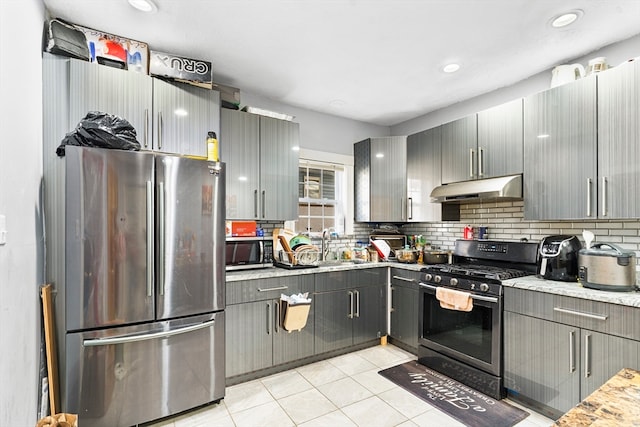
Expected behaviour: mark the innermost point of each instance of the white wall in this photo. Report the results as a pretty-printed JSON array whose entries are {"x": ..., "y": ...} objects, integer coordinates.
[
  {"x": 319, "y": 131},
  {"x": 20, "y": 173},
  {"x": 615, "y": 54}
]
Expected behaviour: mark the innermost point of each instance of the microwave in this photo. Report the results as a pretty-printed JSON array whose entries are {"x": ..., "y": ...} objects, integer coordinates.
[{"x": 243, "y": 253}]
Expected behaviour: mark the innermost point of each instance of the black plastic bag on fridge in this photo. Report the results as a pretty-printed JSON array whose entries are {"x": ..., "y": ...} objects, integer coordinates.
[{"x": 102, "y": 130}]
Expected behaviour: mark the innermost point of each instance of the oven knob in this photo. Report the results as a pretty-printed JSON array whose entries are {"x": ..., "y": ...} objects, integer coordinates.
[
  {"x": 437, "y": 279},
  {"x": 484, "y": 287},
  {"x": 428, "y": 277},
  {"x": 453, "y": 281}
]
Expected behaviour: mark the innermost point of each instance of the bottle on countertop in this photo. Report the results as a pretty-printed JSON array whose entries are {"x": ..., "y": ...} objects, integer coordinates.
[{"x": 212, "y": 147}]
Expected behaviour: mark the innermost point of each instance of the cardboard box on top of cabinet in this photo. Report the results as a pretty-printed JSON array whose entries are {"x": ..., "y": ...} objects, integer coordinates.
[
  {"x": 186, "y": 70},
  {"x": 115, "y": 51}
]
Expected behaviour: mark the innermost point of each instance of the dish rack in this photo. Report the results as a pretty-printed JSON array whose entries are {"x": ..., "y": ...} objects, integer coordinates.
[{"x": 303, "y": 258}]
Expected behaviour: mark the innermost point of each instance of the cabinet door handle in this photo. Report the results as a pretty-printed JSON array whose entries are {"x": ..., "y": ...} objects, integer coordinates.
[
  {"x": 277, "y": 319},
  {"x": 480, "y": 161},
  {"x": 160, "y": 130},
  {"x": 588, "y": 196},
  {"x": 402, "y": 208},
  {"x": 255, "y": 203},
  {"x": 146, "y": 127},
  {"x": 587, "y": 360},
  {"x": 410, "y": 208},
  {"x": 472, "y": 154},
  {"x": 350, "y": 315},
  {"x": 357, "y": 303},
  {"x": 579, "y": 313},
  {"x": 604, "y": 196},
  {"x": 277, "y": 288},
  {"x": 392, "y": 309},
  {"x": 572, "y": 358},
  {"x": 264, "y": 198},
  {"x": 268, "y": 318}
]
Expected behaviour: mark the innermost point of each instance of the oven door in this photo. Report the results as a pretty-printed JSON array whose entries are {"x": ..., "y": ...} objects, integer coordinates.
[{"x": 473, "y": 338}]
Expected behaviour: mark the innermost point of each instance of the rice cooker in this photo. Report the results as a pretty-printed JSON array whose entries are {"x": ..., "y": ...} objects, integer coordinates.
[
  {"x": 607, "y": 267},
  {"x": 558, "y": 258}
]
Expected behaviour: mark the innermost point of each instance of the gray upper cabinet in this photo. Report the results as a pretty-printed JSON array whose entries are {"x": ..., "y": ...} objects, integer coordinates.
[
  {"x": 459, "y": 150},
  {"x": 262, "y": 166},
  {"x": 123, "y": 93},
  {"x": 500, "y": 140},
  {"x": 168, "y": 117},
  {"x": 183, "y": 114},
  {"x": 618, "y": 141},
  {"x": 240, "y": 150},
  {"x": 380, "y": 179},
  {"x": 560, "y": 164},
  {"x": 279, "y": 141},
  {"x": 423, "y": 175}
]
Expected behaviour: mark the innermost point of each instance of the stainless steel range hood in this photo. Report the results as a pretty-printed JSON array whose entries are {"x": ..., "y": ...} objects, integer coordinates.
[{"x": 490, "y": 189}]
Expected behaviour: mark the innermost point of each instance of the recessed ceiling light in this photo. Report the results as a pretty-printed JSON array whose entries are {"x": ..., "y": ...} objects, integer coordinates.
[
  {"x": 337, "y": 103},
  {"x": 144, "y": 5},
  {"x": 180, "y": 112},
  {"x": 451, "y": 68},
  {"x": 566, "y": 18},
  {"x": 379, "y": 155}
]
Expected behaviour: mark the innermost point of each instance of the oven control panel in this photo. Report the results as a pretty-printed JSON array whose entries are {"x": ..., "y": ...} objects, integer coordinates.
[{"x": 492, "y": 247}]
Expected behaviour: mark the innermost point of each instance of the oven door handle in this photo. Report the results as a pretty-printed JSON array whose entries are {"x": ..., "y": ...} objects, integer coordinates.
[{"x": 473, "y": 296}]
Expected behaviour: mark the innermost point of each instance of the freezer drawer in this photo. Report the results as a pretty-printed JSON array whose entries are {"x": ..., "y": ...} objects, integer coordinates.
[{"x": 126, "y": 376}]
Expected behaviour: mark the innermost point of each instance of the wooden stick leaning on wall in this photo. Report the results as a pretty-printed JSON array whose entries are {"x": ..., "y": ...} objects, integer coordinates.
[{"x": 50, "y": 343}]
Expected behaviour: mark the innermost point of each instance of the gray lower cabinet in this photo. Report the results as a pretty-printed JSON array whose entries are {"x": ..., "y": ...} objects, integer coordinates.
[
  {"x": 560, "y": 152},
  {"x": 404, "y": 308},
  {"x": 349, "y": 308},
  {"x": 255, "y": 339},
  {"x": 558, "y": 350},
  {"x": 262, "y": 166}
]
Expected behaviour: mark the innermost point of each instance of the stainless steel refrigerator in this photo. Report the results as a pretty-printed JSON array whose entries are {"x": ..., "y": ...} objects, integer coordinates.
[{"x": 140, "y": 306}]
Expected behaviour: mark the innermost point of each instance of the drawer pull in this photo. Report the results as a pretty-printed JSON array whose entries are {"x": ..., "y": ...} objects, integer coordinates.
[
  {"x": 579, "y": 313},
  {"x": 277, "y": 288},
  {"x": 404, "y": 279}
]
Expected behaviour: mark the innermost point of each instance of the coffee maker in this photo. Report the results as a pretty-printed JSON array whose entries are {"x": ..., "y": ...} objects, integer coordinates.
[{"x": 558, "y": 258}]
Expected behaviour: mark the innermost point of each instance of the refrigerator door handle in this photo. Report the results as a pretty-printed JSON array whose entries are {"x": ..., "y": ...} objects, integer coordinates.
[
  {"x": 146, "y": 337},
  {"x": 161, "y": 235},
  {"x": 150, "y": 227}
]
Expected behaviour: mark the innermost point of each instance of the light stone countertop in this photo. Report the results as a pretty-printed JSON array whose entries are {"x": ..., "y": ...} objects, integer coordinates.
[
  {"x": 574, "y": 289},
  {"x": 234, "y": 276},
  {"x": 532, "y": 283}
]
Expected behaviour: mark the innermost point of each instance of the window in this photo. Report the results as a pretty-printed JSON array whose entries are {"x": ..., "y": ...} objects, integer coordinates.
[{"x": 321, "y": 195}]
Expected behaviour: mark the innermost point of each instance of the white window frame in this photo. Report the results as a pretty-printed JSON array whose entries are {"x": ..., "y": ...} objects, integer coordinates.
[{"x": 344, "y": 161}]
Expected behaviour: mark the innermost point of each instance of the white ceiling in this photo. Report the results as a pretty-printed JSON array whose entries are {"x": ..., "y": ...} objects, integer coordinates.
[{"x": 378, "y": 61}]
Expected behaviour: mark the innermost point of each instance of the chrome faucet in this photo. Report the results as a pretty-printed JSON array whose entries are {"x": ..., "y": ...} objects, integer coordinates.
[{"x": 326, "y": 237}]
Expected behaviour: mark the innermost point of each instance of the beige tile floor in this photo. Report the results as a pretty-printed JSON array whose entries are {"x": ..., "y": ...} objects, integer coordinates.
[{"x": 344, "y": 391}]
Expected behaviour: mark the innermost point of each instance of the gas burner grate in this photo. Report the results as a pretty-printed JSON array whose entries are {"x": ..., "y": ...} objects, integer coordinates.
[{"x": 478, "y": 271}]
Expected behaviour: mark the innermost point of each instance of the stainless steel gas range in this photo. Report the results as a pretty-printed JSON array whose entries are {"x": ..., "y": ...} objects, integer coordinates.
[{"x": 466, "y": 343}]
